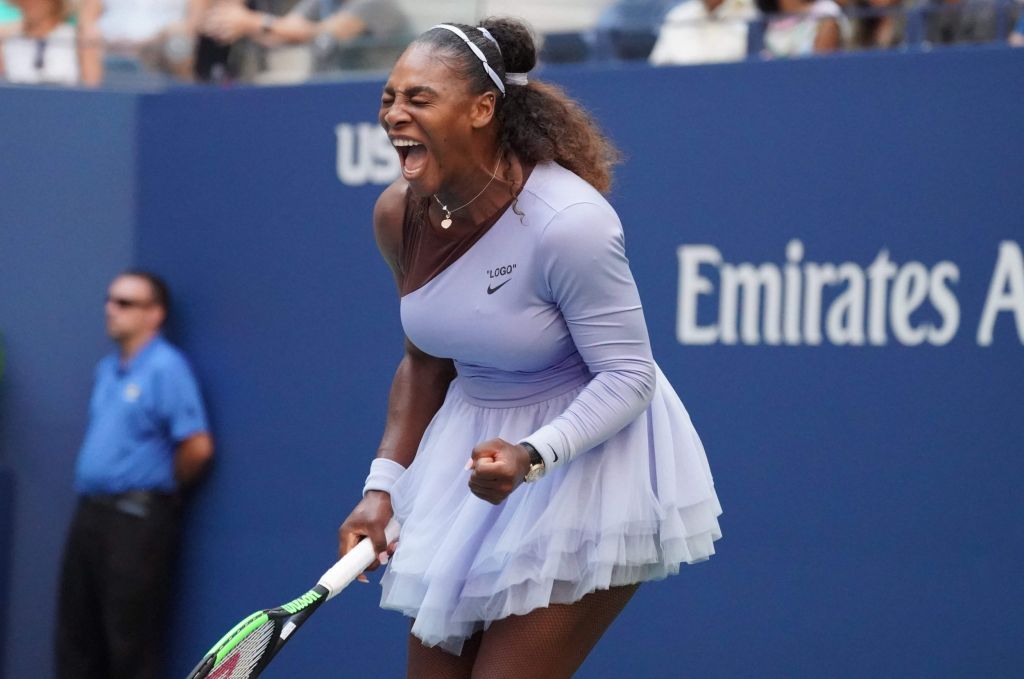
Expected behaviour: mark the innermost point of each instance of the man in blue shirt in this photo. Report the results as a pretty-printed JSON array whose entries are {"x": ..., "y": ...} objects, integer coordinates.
[{"x": 147, "y": 438}]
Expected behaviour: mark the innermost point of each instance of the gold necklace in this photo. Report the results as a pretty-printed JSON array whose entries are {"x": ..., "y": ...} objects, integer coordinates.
[{"x": 446, "y": 223}]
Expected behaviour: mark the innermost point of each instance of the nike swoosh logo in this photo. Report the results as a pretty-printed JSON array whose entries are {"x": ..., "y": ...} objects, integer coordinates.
[
  {"x": 553, "y": 452},
  {"x": 491, "y": 291}
]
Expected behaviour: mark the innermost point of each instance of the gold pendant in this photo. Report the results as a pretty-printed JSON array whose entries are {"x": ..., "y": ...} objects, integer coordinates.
[{"x": 446, "y": 223}]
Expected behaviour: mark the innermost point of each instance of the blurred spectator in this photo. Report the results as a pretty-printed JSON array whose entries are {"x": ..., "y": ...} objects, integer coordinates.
[
  {"x": 237, "y": 59},
  {"x": 802, "y": 27},
  {"x": 958, "y": 21},
  {"x": 628, "y": 29},
  {"x": 878, "y": 23},
  {"x": 704, "y": 31},
  {"x": 350, "y": 34},
  {"x": 41, "y": 47},
  {"x": 545, "y": 16},
  {"x": 124, "y": 39},
  {"x": 10, "y": 24},
  {"x": 8, "y": 13},
  {"x": 147, "y": 439},
  {"x": 1017, "y": 36}
]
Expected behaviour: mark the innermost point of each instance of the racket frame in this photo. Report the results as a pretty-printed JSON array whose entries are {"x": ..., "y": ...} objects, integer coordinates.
[{"x": 289, "y": 617}]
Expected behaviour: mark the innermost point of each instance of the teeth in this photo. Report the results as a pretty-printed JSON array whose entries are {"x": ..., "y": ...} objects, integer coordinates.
[{"x": 405, "y": 142}]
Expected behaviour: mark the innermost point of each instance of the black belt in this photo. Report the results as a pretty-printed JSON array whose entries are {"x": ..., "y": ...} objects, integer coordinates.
[{"x": 135, "y": 502}]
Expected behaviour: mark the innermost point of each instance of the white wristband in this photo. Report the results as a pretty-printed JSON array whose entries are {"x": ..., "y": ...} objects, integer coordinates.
[
  {"x": 383, "y": 475},
  {"x": 552, "y": 445}
]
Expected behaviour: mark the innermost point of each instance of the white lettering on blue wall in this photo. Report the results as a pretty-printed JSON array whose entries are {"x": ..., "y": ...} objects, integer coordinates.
[
  {"x": 1005, "y": 293},
  {"x": 365, "y": 155},
  {"x": 804, "y": 302}
]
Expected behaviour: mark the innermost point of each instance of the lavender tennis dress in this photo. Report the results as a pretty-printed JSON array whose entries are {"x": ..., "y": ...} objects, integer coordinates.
[{"x": 544, "y": 323}]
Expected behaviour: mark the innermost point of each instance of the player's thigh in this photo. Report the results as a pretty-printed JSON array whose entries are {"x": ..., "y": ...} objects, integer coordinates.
[
  {"x": 427, "y": 662},
  {"x": 548, "y": 643}
]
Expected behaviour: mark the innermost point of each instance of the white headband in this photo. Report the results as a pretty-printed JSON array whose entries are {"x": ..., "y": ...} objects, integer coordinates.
[
  {"x": 478, "y": 52},
  {"x": 510, "y": 78},
  {"x": 487, "y": 34}
]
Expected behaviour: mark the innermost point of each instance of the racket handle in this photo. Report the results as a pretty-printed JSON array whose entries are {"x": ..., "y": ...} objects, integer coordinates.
[{"x": 354, "y": 562}]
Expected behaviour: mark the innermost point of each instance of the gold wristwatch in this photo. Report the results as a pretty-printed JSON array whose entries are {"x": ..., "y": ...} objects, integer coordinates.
[{"x": 537, "y": 467}]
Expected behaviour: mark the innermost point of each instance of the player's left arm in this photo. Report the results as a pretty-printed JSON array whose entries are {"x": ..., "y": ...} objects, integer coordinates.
[
  {"x": 584, "y": 264},
  {"x": 586, "y": 272}
]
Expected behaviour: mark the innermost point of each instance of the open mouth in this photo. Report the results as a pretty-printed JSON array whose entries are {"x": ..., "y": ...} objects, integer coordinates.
[{"x": 413, "y": 155}]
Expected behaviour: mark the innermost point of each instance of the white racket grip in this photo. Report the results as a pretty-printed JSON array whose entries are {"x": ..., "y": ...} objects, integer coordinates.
[{"x": 355, "y": 562}]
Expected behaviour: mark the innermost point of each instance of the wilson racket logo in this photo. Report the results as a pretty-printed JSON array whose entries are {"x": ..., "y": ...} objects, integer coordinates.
[{"x": 226, "y": 670}]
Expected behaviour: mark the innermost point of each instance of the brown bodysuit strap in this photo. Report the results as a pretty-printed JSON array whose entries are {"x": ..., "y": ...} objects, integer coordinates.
[{"x": 426, "y": 250}]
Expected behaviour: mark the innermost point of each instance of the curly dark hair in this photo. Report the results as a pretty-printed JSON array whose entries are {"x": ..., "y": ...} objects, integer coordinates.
[{"x": 539, "y": 122}]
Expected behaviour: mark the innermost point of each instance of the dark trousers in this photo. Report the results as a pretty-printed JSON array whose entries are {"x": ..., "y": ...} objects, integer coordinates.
[{"x": 115, "y": 587}]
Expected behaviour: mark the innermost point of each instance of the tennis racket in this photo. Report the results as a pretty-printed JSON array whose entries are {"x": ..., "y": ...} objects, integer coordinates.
[{"x": 245, "y": 651}]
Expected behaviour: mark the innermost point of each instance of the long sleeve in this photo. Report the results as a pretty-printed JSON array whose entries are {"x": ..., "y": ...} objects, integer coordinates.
[{"x": 583, "y": 260}]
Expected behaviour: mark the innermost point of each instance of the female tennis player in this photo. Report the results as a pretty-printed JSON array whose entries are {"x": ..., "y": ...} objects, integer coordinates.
[{"x": 540, "y": 463}]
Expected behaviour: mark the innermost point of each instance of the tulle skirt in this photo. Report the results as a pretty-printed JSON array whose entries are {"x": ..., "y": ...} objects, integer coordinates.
[{"x": 629, "y": 510}]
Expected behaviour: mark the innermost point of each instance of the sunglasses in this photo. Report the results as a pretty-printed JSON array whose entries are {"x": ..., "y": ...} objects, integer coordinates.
[{"x": 125, "y": 303}]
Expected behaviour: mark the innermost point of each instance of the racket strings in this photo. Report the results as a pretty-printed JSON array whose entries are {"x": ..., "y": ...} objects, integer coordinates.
[{"x": 242, "y": 661}]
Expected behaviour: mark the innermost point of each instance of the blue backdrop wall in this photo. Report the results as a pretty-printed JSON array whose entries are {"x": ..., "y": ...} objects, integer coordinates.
[
  {"x": 67, "y": 219},
  {"x": 829, "y": 256}
]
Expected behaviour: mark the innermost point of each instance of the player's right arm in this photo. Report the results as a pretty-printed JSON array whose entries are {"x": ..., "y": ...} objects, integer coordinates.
[{"x": 417, "y": 389}]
